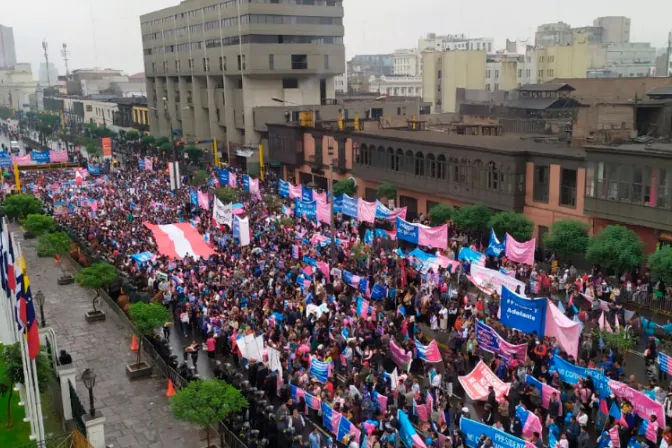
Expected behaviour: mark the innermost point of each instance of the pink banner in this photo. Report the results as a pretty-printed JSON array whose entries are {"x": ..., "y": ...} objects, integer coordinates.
[
  {"x": 434, "y": 237},
  {"x": 642, "y": 405},
  {"x": 546, "y": 394},
  {"x": 565, "y": 330},
  {"x": 320, "y": 197},
  {"x": 477, "y": 382},
  {"x": 367, "y": 211},
  {"x": 58, "y": 156},
  {"x": 399, "y": 356},
  {"x": 520, "y": 252},
  {"x": 254, "y": 187},
  {"x": 203, "y": 200},
  {"x": 149, "y": 165},
  {"x": 323, "y": 212},
  {"x": 295, "y": 191},
  {"x": 22, "y": 160},
  {"x": 444, "y": 262}
]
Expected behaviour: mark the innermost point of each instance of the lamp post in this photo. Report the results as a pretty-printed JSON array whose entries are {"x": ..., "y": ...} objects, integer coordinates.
[
  {"x": 89, "y": 378},
  {"x": 39, "y": 297},
  {"x": 332, "y": 244}
]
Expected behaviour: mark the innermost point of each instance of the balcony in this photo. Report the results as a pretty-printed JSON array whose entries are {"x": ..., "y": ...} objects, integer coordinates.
[
  {"x": 464, "y": 192},
  {"x": 629, "y": 213}
]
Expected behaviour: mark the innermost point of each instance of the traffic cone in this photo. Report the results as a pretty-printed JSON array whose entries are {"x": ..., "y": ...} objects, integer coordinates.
[
  {"x": 134, "y": 343},
  {"x": 171, "y": 389}
]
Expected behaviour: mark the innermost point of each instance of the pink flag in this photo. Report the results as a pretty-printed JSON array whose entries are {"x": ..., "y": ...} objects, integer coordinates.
[
  {"x": 323, "y": 212},
  {"x": 434, "y": 237},
  {"x": 532, "y": 425},
  {"x": 613, "y": 435},
  {"x": 148, "y": 164},
  {"x": 367, "y": 211},
  {"x": 565, "y": 330},
  {"x": 324, "y": 267},
  {"x": 520, "y": 252},
  {"x": 203, "y": 200},
  {"x": 254, "y": 187},
  {"x": 295, "y": 191},
  {"x": 382, "y": 401},
  {"x": 94, "y": 205},
  {"x": 430, "y": 401},
  {"x": 421, "y": 410},
  {"x": 604, "y": 324},
  {"x": 320, "y": 197},
  {"x": 546, "y": 394}
]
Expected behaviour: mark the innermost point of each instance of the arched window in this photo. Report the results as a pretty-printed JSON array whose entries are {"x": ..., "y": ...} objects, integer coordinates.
[
  {"x": 419, "y": 164},
  {"x": 359, "y": 154},
  {"x": 398, "y": 158},
  {"x": 454, "y": 169},
  {"x": 441, "y": 167},
  {"x": 431, "y": 166},
  {"x": 477, "y": 174},
  {"x": 380, "y": 158},
  {"x": 409, "y": 162},
  {"x": 493, "y": 176},
  {"x": 389, "y": 163}
]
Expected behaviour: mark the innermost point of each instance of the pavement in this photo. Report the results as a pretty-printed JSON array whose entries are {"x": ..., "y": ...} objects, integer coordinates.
[{"x": 137, "y": 412}]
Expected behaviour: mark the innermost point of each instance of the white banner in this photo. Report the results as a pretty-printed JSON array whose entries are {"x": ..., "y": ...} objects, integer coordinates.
[
  {"x": 241, "y": 230},
  {"x": 223, "y": 214},
  {"x": 490, "y": 279}
]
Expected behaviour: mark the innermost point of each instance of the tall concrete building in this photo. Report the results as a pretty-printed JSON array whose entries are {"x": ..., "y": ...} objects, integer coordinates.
[
  {"x": 210, "y": 63},
  {"x": 444, "y": 72},
  {"x": 7, "y": 48},
  {"x": 616, "y": 29}
]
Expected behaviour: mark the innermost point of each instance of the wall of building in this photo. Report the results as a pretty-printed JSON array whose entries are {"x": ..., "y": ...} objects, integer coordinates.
[
  {"x": 616, "y": 28},
  {"x": 458, "y": 69},
  {"x": 568, "y": 61},
  {"x": 613, "y": 90}
]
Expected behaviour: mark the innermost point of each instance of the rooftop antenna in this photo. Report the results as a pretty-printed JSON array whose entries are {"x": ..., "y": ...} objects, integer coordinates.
[
  {"x": 45, "y": 46},
  {"x": 65, "y": 53}
]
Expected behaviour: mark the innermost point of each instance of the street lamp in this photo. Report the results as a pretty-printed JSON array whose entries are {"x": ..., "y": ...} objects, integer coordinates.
[
  {"x": 89, "y": 378},
  {"x": 39, "y": 298}
]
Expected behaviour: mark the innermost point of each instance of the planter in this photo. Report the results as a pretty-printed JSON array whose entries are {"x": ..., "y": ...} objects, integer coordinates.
[
  {"x": 29, "y": 236},
  {"x": 93, "y": 316},
  {"x": 141, "y": 370},
  {"x": 66, "y": 280}
]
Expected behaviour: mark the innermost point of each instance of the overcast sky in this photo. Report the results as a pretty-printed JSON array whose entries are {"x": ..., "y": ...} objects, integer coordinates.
[{"x": 371, "y": 26}]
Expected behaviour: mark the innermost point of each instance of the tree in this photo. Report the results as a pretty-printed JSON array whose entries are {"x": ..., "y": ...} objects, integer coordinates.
[
  {"x": 200, "y": 178},
  {"x": 567, "y": 238},
  {"x": 22, "y": 205},
  {"x": 93, "y": 147},
  {"x": 206, "y": 402},
  {"x": 660, "y": 264},
  {"x": 472, "y": 218},
  {"x": 131, "y": 135},
  {"x": 161, "y": 140},
  {"x": 345, "y": 186},
  {"x": 147, "y": 141},
  {"x": 226, "y": 195},
  {"x": 194, "y": 153},
  {"x": 441, "y": 214},
  {"x": 52, "y": 244},
  {"x": 13, "y": 373},
  {"x": 97, "y": 276},
  {"x": 387, "y": 191},
  {"x": 361, "y": 251},
  {"x": 619, "y": 340},
  {"x": 616, "y": 247},
  {"x": 273, "y": 202},
  {"x": 148, "y": 318},
  {"x": 39, "y": 224},
  {"x": 515, "y": 224}
]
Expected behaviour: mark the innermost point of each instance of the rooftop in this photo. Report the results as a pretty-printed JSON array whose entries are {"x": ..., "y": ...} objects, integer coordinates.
[
  {"x": 661, "y": 91},
  {"x": 548, "y": 87},
  {"x": 657, "y": 148}
]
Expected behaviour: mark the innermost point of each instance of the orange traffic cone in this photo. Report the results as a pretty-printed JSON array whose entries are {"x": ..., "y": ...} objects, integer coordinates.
[
  {"x": 171, "y": 389},
  {"x": 134, "y": 343}
]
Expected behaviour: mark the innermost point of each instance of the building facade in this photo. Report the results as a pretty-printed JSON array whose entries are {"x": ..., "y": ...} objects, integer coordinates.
[
  {"x": 444, "y": 72},
  {"x": 568, "y": 61},
  {"x": 17, "y": 87},
  {"x": 616, "y": 29},
  {"x": 210, "y": 63},
  {"x": 454, "y": 42},
  {"x": 7, "y": 48},
  {"x": 396, "y": 85},
  {"x": 407, "y": 63}
]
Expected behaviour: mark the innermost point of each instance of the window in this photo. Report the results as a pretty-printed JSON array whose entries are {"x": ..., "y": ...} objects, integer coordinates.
[
  {"x": 487, "y": 73},
  {"x": 241, "y": 62},
  {"x": 191, "y": 64},
  {"x": 271, "y": 62},
  {"x": 541, "y": 59},
  {"x": 299, "y": 62},
  {"x": 290, "y": 83},
  {"x": 528, "y": 72},
  {"x": 550, "y": 73},
  {"x": 165, "y": 66},
  {"x": 540, "y": 184},
  {"x": 551, "y": 59},
  {"x": 590, "y": 179},
  {"x": 496, "y": 73},
  {"x": 153, "y": 67},
  {"x": 540, "y": 74},
  {"x": 221, "y": 63},
  {"x": 496, "y": 87},
  {"x": 664, "y": 189},
  {"x": 213, "y": 43},
  {"x": 487, "y": 87},
  {"x": 206, "y": 64},
  {"x": 326, "y": 62},
  {"x": 568, "y": 187},
  {"x": 520, "y": 72}
]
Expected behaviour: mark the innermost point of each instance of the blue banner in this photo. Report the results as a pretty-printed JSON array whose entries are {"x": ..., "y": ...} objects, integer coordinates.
[
  {"x": 473, "y": 430},
  {"x": 193, "y": 196},
  {"x": 283, "y": 188},
  {"x": 95, "y": 170},
  {"x": 223, "y": 178},
  {"x": 368, "y": 236},
  {"x": 246, "y": 182},
  {"x": 347, "y": 205},
  {"x": 307, "y": 209},
  {"x": 571, "y": 374},
  {"x": 520, "y": 313},
  {"x": 356, "y": 281},
  {"x": 495, "y": 247},
  {"x": 142, "y": 257},
  {"x": 40, "y": 156},
  {"x": 378, "y": 292},
  {"x": 5, "y": 159},
  {"x": 141, "y": 163},
  {"x": 469, "y": 255},
  {"x": 306, "y": 194},
  {"x": 407, "y": 432},
  {"x": 407, "y": 231}
]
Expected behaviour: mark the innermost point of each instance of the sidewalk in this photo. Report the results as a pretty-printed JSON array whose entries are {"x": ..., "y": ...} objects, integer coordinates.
[{"x": 137, "y": 412}]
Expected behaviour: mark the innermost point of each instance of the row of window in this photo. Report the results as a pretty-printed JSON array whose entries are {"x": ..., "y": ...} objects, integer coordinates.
[
  {"x": 567, "y": 188},
  {"x": 298, "y": 62},
  {"x": 233, "y": 3},
  {"x": 474, "y": 173},
  {"x": 246, "y": 39},
  {"x": 641, "y": 185}
]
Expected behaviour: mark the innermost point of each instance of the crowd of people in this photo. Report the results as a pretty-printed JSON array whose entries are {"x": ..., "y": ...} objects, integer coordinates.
[{"x": 273, "y": 288}]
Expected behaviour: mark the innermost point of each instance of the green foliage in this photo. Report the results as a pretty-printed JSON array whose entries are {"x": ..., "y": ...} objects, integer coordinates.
[
  {"x": 165, "y": 146},
  {"x": 148, "y": 140},
  {"x": 441, "y": 214},
  {"x": 617, "y": 248},
  {"x": 660, "y": 264},
  {"x": 273, "y": 202},
  {"x": 22, "y": 205},
  {"x": 361, "y": 251},
  {"x": 515, "y": 224},
  {"x": 474, "y": 218},
  {"x": 345, "y": 186},
  {"x": 96, "y": 276},
  {"x": 131, "y": 135},
  {"x": 52, "y": 244},
  {"x": 567, "y": 238},
  {"x": 39, "y": 224},
  {"x": 161, "y": 140},
  {"x": 200, "y": 178},
  {"x": 194, "y": 153},
  {"x": 387, "y": 191},
  {"x": 206, "y": 402},
  {"x": 149, "y": 317},
  {"x": 286, "y": 221},
  {"x": 619, "y": 340},
  {"x": 226, "y": 195}
]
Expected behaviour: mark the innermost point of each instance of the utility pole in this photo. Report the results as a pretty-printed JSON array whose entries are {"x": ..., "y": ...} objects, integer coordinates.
[
  {"x": 65, "y": 53},
  {"x": 45, "y": 46}
]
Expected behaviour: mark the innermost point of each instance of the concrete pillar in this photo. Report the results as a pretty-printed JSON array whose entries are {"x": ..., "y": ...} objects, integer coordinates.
[
  {"x": 201, "y": 124},
  {"x": 215, "y": 129},
  {"x": 232, "y": 134},
  {"x": 66, "y": 374},
  {"x": 95, "y": 430},
  {"x": 187, "y": 114},
  {"x": 173, "y": 109},
  {"x": 161, "y": 105},
  {"x": 151, "y": 103}
]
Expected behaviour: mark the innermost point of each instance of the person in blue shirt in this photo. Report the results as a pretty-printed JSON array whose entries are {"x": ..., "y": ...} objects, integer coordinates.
[{"x": 315, "y": 439}]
